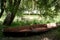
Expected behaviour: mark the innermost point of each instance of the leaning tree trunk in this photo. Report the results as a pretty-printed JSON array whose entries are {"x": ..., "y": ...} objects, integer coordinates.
[
  {"x": 11, "y": 14},
  {"x": 3, "y": 3},
  {"x": 9, "y": 18}
]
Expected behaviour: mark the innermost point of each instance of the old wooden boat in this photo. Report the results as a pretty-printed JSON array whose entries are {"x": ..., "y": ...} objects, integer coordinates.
[{"x": 29, "y": 29}]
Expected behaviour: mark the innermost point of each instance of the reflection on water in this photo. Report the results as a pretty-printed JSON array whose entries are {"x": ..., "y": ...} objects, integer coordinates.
[{"x": 45, "y": 38}]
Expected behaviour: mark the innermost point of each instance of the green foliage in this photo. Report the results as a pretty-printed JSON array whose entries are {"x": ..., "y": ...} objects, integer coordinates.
[{"x": 45, "y": 7}]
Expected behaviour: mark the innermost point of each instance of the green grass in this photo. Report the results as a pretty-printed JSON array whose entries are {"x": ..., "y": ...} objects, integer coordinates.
[{"x": 23, "y": 23}]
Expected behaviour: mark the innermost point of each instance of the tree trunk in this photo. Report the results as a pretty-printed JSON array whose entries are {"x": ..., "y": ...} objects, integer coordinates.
[
  {"x": 11, "y": 14},
  {"x": 9, "y": 18},
  {"x": 2, "y": 7}
]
